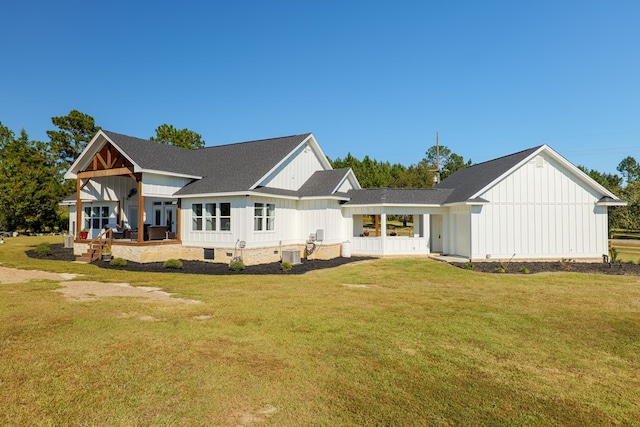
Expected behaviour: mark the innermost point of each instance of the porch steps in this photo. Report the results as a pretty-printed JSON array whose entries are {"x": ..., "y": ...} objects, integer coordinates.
[{"x": 93, "y": 252}]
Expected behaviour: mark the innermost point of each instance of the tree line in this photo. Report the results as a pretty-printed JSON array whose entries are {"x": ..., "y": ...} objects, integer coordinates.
[{"x": 32, "y": 173}]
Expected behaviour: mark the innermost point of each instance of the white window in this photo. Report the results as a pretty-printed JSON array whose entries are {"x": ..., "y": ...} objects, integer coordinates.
[
  {"x": 207, "y": 217},
  {"x": 225, "y": 216},
  {"x": 96, "y": 217},
  {"x": 264, "y": 217}
]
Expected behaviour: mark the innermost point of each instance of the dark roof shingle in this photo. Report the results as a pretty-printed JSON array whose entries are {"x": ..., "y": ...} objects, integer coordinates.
[{"x": 466, "y": 182}]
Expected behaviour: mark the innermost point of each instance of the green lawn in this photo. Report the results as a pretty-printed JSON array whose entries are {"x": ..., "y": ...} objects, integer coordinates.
[{"x": 422, "y": 344}]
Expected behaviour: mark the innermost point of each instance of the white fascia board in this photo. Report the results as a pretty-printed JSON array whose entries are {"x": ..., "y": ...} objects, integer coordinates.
[
  {"x": 564, "y": 162},
  {"x": 393, "y": 205},
  {"x": 612, "y": 203},
  {"x": 165, "y": 173},
  {"x": 332, "y": 197},
  {"x": 89, "y": 151},
  {"x": 580, "y": 174},
  {"x": 351, "y": 177},
  {"x": 466, "y": 203},
  {"x": 314, "y": 146},
  {"x": 506, "y": 173},
  {"x": 193, "y": 196},
  {"x": 236, "y": 194}
]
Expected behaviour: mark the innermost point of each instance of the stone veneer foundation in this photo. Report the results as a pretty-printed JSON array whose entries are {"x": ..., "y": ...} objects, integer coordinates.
[{"x": 250, "y": 256}]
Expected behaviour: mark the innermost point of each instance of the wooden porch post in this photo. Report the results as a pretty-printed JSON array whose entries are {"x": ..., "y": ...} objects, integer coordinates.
[
  {"x": 377, "y": 222},
  {"x": 78, "y": 209},
  {"x": 140, "y": 211}
]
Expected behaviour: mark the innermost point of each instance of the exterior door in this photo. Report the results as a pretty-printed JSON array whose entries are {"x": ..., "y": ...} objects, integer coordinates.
[
  {"x": 170, "y": 217},
  {"x": 436, "y": 233}
]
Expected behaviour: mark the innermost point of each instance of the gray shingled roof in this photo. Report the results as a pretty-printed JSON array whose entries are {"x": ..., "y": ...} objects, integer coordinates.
[
  {"x": 231, "y": 167},
  {"x": 237, "y": 167},
  {"x": 155, "y": 156},
  {"x": 401, "y": 196},
  {"x": 323, "y": 183},
  {"x": 466, "y": 182}
]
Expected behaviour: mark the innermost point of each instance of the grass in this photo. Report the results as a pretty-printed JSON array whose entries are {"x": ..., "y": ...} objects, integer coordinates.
[{"x": 417, "y": 343}]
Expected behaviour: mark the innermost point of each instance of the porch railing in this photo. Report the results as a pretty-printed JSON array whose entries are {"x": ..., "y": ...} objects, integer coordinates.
[{"x": 104, "y": 239}]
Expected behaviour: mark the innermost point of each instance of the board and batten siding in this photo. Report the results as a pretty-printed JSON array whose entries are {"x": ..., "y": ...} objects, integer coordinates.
[
  {"x": 111, "y": 188},
  {"x": 459, "y": 227},
  {"x": 156, "y": 185},
  {"x": 293, "y": 173},
  {"x": 242, "y": 223},
  {"x": 205, "y": 238},
  {"x": 324, "y": 215},
  {"x": 541, "y": 210}
]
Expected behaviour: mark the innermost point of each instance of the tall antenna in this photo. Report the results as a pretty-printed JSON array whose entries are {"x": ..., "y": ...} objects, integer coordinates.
[{"x": 436, "y": 178}]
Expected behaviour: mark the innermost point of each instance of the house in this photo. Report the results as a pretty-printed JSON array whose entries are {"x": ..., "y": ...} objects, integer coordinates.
[{"x": 260, "y": 199}]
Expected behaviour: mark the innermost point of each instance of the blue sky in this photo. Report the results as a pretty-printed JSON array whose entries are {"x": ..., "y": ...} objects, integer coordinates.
[{"x": 373, "y": 78}]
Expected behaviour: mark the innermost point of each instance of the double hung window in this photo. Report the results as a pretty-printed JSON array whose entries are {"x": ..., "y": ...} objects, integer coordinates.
[{"x": 264, "y": 217}]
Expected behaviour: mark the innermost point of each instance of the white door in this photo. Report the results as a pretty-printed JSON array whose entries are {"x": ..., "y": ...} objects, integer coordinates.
[
  {"x": 436, "y": 233},
  {"x": 170, "y": 217}
]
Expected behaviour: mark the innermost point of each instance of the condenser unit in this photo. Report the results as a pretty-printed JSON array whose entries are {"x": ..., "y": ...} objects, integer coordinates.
[{"x": 292, "y": 256}]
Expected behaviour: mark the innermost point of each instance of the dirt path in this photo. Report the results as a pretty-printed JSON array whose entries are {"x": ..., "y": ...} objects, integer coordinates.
[{"x": 87, "y": 290}]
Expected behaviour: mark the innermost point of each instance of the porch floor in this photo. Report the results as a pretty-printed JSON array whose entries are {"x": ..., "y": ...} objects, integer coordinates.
[{"x": 448, "y": 258}]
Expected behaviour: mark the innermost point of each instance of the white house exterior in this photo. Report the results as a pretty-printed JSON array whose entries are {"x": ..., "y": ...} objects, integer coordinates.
[{"x": 260, "y": 198}]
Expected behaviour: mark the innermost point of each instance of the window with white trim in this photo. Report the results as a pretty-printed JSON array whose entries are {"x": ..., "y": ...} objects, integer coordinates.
[
  {"x": 225, "y": 216},
  {"x": 96, "y": 217},
  {"x": 207, "y": 217},
  {"x": 264, "y": 217}
]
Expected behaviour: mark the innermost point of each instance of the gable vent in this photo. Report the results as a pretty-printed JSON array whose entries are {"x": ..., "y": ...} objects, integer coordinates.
[{"x": 539, "y": 162}]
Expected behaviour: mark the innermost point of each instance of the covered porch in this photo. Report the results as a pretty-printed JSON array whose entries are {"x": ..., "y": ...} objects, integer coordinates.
[
  {"x": 109, "y": 195},
  {"x": 379, "y": 233}
]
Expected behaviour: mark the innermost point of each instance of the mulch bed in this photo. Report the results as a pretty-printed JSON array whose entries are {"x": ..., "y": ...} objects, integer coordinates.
[
  {"x": 58, "y": 252},
  {"x": 557, "y": 266}
]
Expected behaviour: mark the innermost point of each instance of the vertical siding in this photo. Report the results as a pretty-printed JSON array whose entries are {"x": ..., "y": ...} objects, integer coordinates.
[
  {"x": 326, "y": 215},
  {"x": 540, "y": 212},
  {"x": 296, "y": 171},
  {"x": 220, "y": 238},
  {"x": 161, "y": 185}
]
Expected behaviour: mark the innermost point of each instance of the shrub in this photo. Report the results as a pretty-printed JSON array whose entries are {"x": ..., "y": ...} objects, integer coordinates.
[
  {"x": 524, "y": 270},
  {"x": 172, "y": 263},
  {"x": 566, "y": 264},
  {"x": 500, "y": 270},
  {"x": 469, "y": 265},
  {"x": 614, "y": 255},
  {"x": 118, "y": 262},
  {"x": 236, "y": 266},
  {"x": 43, "y": 248},
  {"x": 286, "y": 266}
]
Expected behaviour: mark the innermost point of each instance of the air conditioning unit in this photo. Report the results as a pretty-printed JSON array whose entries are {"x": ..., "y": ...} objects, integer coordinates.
[{"x": 292, "y": 256}]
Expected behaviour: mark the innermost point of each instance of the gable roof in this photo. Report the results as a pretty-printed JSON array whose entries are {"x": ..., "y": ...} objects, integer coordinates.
[
  {"x": 323, "y": 183},
  {"x": 224, "y": 168},
  {"x": 240, "y": 166},
  {"x": 467, "y": 182},
  {"x": 154, "y": 156}
]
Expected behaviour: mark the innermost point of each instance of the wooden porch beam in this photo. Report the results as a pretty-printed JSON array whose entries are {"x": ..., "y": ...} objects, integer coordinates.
[
  {"x": 99, "y": 157},
  {"x": 106, "y": 172}
]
